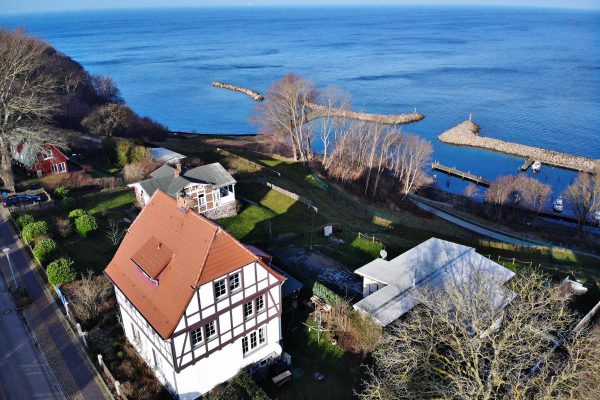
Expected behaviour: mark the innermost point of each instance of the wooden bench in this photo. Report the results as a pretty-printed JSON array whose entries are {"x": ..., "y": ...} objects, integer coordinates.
[{"x": 282, "y": 378}]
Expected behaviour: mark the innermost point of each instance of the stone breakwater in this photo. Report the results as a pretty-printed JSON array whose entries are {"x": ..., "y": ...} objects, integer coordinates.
[
  {"x": 466, "y": 134},
  {"x": 255, "y": 95},
  {"x": 318, "y": 111}
]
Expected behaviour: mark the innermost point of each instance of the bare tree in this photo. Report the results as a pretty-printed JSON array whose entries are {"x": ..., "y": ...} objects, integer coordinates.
[
  {"x": 106, "y": 88},
  {"x": 583, "y": 196},
  {"x": 283, "y": 114},
  {"x": 331, "y": 99},
  {"x": 114, "y": 233},
  {"x": 459, "y": 343},
  {"x": 412, "y": 155},
  {"x": 111, "y": 119},
  {"x": 28, "y": 94},
  {"x": 89, "y": 294}
]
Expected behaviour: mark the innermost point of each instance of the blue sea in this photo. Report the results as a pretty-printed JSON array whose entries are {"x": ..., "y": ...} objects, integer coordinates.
[{"x": 526, "y": 75}]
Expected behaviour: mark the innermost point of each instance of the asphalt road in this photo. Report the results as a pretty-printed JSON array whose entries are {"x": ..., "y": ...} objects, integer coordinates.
[{"x": 22, "y": 375}]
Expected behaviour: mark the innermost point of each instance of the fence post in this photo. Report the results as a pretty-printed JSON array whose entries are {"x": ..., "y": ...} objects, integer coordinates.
[
  {"x": 513, "y": 261},
  {"x": 100, "y": 362},
  {"x": 118, "y": 388}
]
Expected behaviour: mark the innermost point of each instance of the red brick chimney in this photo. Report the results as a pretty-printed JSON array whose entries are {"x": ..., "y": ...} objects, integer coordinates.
[{"x": 177, "y": 169}]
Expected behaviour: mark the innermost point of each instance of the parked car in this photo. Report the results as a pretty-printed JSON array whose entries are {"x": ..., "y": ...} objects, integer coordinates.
[
  {"x": 558, "y": 205},
  {"x": 17, "y": 199},
  {"x": 4, "y": 193},
  {"x": 597, "y": 215}
]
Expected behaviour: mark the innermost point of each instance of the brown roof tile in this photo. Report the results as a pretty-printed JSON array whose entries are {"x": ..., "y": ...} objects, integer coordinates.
[{"x": 181, "y": 250}]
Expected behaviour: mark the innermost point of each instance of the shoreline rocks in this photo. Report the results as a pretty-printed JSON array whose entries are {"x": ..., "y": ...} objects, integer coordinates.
[{"x": 466, "y": 134}]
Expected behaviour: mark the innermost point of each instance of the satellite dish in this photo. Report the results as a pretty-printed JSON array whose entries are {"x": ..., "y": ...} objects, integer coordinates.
[{"x": 383, "y": 254}]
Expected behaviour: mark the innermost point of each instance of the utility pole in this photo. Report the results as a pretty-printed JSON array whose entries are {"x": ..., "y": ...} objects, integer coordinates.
[{"x": 6, "y": 251}]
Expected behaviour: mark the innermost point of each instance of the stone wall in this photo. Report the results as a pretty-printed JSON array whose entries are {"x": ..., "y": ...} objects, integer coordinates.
[{"x": 224, "y": 211}]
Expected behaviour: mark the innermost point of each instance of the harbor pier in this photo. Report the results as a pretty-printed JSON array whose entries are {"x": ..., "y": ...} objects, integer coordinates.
[
  {"x": 466, "y": 134},
  {"x": 467, "y": 176}
]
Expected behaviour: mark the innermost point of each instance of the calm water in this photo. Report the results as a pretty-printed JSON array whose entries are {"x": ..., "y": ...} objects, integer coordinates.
[{"x": 529, "y": 76}]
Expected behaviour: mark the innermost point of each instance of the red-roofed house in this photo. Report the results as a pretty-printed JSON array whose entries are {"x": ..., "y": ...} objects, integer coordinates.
[
  {"x": 39, "y": 161},
  {"x": 195, "y": 302}
]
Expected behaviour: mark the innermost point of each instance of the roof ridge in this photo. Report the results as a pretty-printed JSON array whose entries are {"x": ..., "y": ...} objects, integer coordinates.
[{"x": 203, "y": 264}]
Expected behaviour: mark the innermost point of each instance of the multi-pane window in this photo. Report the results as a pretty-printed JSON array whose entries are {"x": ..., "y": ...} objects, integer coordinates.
[
  {"x": 202, "y": 200},
  {"x": 261, "y": 335},
  {"x": 220, "y": 288},
  {"x": 234, "y": 282},
  {"x": 260, "y": 303},
  {"x": 210, "y": 329},
  {"x": 48, "y": 154},
  {"x": 196, "y": 337},
  {"x": 254, "y": 339},
  {"x": 247, "y": 310}
]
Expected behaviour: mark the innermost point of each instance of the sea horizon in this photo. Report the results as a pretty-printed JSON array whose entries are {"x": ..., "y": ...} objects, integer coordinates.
[{"x": 527, "y": 74}]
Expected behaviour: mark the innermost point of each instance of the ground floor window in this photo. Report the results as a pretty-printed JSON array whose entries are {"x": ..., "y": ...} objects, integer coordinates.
[
  {"x": 254, "y": 339},
  {"x": 56, "y": 168}
]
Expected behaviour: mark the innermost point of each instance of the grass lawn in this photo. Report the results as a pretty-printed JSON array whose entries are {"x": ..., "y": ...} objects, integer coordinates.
[
  {"x": 269, "y": 215},
  {"x": 100, "y": 168},
  {"x": 343, "y": 371},
  {"x": 95, "y": 251}
]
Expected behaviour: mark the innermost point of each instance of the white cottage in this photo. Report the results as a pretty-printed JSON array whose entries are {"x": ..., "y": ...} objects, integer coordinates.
[{"x": 196, "y": 304}]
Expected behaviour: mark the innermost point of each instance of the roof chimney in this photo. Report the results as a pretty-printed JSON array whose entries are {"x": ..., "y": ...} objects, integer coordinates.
[{"x": 177, "y": 169}]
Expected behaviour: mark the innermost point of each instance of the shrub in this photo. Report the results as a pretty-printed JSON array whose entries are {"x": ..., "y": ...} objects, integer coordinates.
[
  {"x": 79, "y": 212},
  {"x": 138, "y": 171},
  {"x": 63, "y": 226},
  {"x": 24, "y": 219},
  {"x": 68, "y": 203},
  {"x": 324, "y": 293},
  {"x": 62, "y": 192},
  {"x": 85, "y": 224},
  {"x": 60, "y": 271},
  {"x": 34, "y": 230},
  {"x": 43, "y": 249}
]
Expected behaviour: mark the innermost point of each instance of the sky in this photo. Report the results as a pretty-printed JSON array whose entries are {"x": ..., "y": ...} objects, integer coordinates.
[{"x": 24, "y": 6}]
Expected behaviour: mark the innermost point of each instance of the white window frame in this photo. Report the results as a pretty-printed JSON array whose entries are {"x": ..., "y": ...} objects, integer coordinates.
[
  {"x": 248, "y": 315},
  {"x": 194, "y": 337},
  {"x": 254, "y": 340},
  {"x": 235, "y": 278},
  {"x": 219, "y": 282},
  {"x": 202, "y": 200},
  {"x": 260, "y": 300},
  {"x": 208, "y": 328},
  {"x": 48, "y": 154}
]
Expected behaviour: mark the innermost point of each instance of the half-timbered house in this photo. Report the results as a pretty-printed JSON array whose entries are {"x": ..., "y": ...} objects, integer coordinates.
[
  {"x": 196, "y": 304},
  {"x": 208, "y": 189}
]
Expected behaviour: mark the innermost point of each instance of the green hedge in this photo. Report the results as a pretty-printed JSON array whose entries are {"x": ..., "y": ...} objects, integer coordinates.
[
  {"x": 34, "y": 230},
  {"x": 77, "y": 213},
  {"x": 325, "y": 294},
  {"x": 24, "y": 220},
  {"x": 85, "y": 224},
  {"x": 60, "y": 271},
  {"x": 43, "y": 249}
]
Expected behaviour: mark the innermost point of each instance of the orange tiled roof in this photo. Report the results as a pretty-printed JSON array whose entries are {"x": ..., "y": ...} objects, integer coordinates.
[{"x": 166, "y": 254}]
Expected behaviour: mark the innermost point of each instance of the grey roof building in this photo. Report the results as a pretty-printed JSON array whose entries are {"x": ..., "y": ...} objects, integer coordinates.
[
  {"x": 166, "y": 178},
  {"x": 209, "y": 189},
  {"x": 390, "y": 286}
]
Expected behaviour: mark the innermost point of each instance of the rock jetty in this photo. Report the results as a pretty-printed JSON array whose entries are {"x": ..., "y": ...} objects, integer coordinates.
[
  {"x": 255, "y": 95},
  {"x": 466, "y": 134},
  {"x": 319, "y": 111}
]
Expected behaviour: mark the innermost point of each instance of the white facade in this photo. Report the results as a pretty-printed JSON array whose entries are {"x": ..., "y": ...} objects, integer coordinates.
[{"x": 217, "y": 335}]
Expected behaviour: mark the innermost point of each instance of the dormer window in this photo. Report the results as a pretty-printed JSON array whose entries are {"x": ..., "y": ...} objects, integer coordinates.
[
  {"x": 48, "y": 154},
  {"x": 220, "y": 288}
]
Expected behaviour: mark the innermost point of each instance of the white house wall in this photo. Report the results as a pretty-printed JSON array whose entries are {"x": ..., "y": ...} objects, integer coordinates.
[
  {"x": 192, "y": 371},
  {"x": 148, "y": 341}
]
